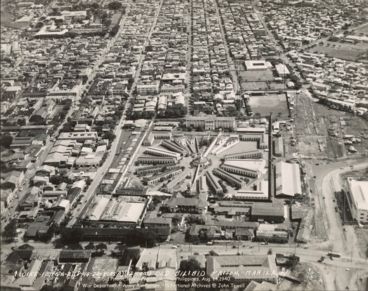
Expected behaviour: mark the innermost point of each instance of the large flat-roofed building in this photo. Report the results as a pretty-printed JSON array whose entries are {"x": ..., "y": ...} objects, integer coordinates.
[
  {"x": 358, "y": 200},
  {"x": 78, "y": 136},
  {"x": 210, "y": 122},
  {"x": 282, "y": 70},
  {"x": 243, "y": 268},
  {"x": 128, "y": 210},
  {"x": 257, "y": 65},
  {"x": 270, "y": 212},
  {"x": 288, "y": 181}
]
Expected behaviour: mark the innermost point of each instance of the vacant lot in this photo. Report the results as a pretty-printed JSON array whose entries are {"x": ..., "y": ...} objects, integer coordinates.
[
  {"x": 254, "y": 86},
  {"x": 256, "y": 76},
  {"x": 341, "y": 50},
  {"x": 275, "y": 103}
]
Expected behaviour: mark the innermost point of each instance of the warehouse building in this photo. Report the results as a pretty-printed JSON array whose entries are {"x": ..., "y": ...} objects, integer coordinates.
[
  {"x": 123, "y": 210},
  {"x": 288, "y": 181}
]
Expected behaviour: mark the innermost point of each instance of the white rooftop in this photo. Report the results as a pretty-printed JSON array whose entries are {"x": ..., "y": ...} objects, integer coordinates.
[
  {"x": 288, "y": 179},
  {"x": 248, "y": 164},
  {"x": 359, "y": 191}
]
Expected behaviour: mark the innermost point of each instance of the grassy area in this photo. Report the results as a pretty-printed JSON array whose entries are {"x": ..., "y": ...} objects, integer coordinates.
[
  {"x": 275, "y": 103},
  {"x": 256, "y": 76},
  {"x": 253, "y": 86},
  {"x": 341, "y": 50}
]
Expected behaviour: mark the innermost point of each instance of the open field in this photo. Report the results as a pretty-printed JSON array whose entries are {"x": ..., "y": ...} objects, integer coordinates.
[
  {"x": 256, "y": 76},
  {"x": 253, "y": 86},
  {"x": 275, "y": 103},
  {"x": 344, "y": 51}
]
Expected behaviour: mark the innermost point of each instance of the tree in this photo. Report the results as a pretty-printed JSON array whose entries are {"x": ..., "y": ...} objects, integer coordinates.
[
  {"x": 212, "y": 253},
  {"x": 95, "y": 6},
  {"x": 6, "y": 140},
  {"x": 101, "y": 246},
  {"x": 39, "y": 24},
  {"x": 110, "y": 136},
  {"x": 114, "y": 5},
  {"x": 90, "y": 246},
  {"x": 10, "y": 231},
  {"x": 190, "y": 265}
]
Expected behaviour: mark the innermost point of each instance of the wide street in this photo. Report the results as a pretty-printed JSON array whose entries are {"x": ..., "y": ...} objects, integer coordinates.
[{"x": 88, "y": 196}]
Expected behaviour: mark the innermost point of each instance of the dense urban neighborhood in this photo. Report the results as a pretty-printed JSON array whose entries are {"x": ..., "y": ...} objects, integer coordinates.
[{"x": 184, "y": 145}]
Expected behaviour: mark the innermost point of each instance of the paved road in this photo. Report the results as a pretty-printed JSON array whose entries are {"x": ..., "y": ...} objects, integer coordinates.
[
  {"x": 118, "y": 131},
  {"x": 230, "y": 61},
  {"x": 325, "y": 189}
]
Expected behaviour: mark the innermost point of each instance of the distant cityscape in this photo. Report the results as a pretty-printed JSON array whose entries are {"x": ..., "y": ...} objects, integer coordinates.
[{"x": 184, "y": 145}]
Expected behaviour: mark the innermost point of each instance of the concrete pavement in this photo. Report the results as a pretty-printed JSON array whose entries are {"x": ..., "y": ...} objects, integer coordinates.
[{"x": 325, "y": 189}]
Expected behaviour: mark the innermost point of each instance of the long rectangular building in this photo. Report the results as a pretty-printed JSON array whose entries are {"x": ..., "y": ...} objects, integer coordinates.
[
  {"x": 172, "y": 146},
  {"x": 239, "y": 170},
  {"x": 244, "y": 155},
  {"x": 154, "y": 169},
  {"x": 210, "y": 122},
  {"x": 288, "y": 181},
  {"x": 164, "y": 176},
  {"x": 214, "y": 185},
  {"x": 234, "y": 181},
  {"x": 156, "y": 160},
  {"x": 162, "y": 153}
]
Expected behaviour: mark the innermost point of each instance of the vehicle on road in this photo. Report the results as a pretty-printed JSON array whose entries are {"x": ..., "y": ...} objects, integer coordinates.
[{"x": 334, "y": 255}]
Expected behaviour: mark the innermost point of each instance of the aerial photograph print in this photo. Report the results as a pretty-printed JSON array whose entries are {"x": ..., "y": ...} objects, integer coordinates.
[{"x": 184, "y": 145}]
